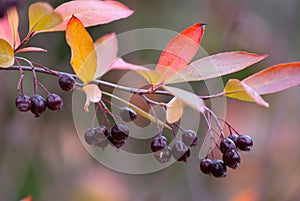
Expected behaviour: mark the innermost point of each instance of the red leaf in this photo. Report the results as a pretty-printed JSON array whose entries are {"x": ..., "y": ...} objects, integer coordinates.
[
  {"x": 91, "y": 12},
  {"x": 275, "y": 78},
  {"x": 216, "y": 66},
  {"x": 179, "y": 51}
]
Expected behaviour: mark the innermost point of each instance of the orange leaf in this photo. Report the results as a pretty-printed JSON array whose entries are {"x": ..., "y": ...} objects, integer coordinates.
[
  {"x": 175, "y": 110},
  {"x": 9, "y": 27},
  {"x": 31, "y": 49},
  {"x": 275, "y": 78},
  {"x": 241, "y": 91},
  {"x": 84, "y": 58},
  {"x": 28, "y": 198},
  {"x": 91, "y": 12},
  {"x": 180, "y": 51}
]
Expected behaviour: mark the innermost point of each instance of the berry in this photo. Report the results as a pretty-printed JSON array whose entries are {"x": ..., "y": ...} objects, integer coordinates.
[
  {"x": 232, "y": 159},
  {"x": 119, "y": 132},
  {"x": 100, "y": 137},
  {"x": 117, "y": 144},
  {"x": 38, "y": 105},
  {"x": 128, "y": 114},
  {"x": 23, "y": 103},
  {"x": 233, "y": 137},
  {"x": 218, "y": 168},
  {"x": 158, "y": 143},
  {"x": 66, "y": 82},
  {"x": 244, "y": 142},
  {"x": 54, "y": 102},
  {"x": 164, "y": 155},
  {"x": 227, "y": 144},
  {"x": 89, "y": 136},
  {"x": 190, "y": 138},
  {"x": 180, "y": 151},
  {"x": 205, "y": 165}
]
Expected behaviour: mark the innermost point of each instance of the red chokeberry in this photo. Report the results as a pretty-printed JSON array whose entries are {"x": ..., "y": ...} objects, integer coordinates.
[
  {"x": 128, "y": 114},
  {"x": 66, "y": 82},
  {"x": 244, "y": 142},
  {"x": 119, "y": 132},
  {"x": 158, "y": 143},
  {"x": 190, "y": 138},
  {"x": 180, "y": 151},
  {"x": 205, "y": 165},
  {"x": 231, "y": 159},
  {"x": 227, "y": 144},
  {"x": 38, "y": 105},
  {"x": 218, "y": 168},
  {"x": 23, "y": 103},
  {"x": 164, "y": 155},
  {"x": 54, "y": 102}
]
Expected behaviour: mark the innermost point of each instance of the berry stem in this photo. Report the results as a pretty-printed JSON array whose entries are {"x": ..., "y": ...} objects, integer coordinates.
[
  {"x": 105, "y": 108},
  {"x": 214, "y": 116},
  {"x": 43, "y": 87},
  {"x": 46, "y": 69},
  {"x": 229, "y": 126},
  {"x": 20, "y": 83}
]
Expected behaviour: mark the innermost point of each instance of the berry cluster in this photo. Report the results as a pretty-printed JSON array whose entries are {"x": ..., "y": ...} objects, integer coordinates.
[
  {"x": 37, "y": 104},
  {"x": 229, "y": 147}
]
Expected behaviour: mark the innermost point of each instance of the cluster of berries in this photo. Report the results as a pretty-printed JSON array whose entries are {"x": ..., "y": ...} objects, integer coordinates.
[
  {"x": 37, "y": 104},
  {"x": 229, "y": 147},
  {"x": 100, "y": 137},
  {"x": 180, "y": 149}
]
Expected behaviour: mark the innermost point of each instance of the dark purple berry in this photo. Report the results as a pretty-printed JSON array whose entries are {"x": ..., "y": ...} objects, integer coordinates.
[
  {"x": 180, "y": 151},
  {"x": 128, "y": 114},
  {"x": 38, "y": 105},
  {"x": 89, "y": 136},
  {"x": 159, "y": 142},
  {"x": 54, "y": 102},
  {"x": 227, "y": 144},
  {"x": 164, "y": 155},
  {"x": 190, "y": 138},
  {"x": 244, "y": 142},
  {"x": 119, "y": 132},
  {"x": 23, "y": 103},
  {"x": 205, "y": 164},
  {"x": 218, "y": 168},
  {"x": 233, "y": 137},
  {"x": 231, "y": 159},
  {"x": 66, "y": 82},
  {"x": 101, "y": 135},
  {"x": 117, "y": 144}
]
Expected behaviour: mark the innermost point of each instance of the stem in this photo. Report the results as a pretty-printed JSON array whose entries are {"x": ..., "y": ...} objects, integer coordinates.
[
  {"x": 43, "y": 87},
  {"x": 107, "y": 110},
  {"x": 20, "y": 83},
  {"x": 229, "y": 126},
  {"x": 216, "y": 120},
  {"x": 35, "y": 81},
  {"x": 221, "y": 94}
]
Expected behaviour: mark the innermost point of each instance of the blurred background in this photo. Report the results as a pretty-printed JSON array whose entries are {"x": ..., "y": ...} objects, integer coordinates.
[{"x": 45, "y": 158}]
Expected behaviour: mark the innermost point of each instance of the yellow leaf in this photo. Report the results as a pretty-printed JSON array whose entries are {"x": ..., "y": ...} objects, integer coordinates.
[
  {"x": 84, "y": 57},
  {"x": 151, "y": 76},
  {"x": 6, "y": 54},
  {"x": 175, "y": 110},
  {"x": 93, "y": 94},
  {"x": 241, "y": 91},
  {"x": 42, "y": 16}
]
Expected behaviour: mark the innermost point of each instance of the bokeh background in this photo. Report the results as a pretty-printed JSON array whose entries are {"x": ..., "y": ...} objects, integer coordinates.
[{"x": 45, "y": 158}]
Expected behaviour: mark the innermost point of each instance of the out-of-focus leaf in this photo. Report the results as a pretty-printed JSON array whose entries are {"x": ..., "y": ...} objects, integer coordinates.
[
  {"x": 9, "y": 27},
  {"x": 241, "y": 91},
  {"x": 91, "y": 12},
  {"x": 31, "y": 49},
  {"x": 175, "y": 110},
  {"x": 137, "y": 109},
  {"x": 188, "y": 98},
  {"x": 6, "y": 54},
  {"x": 151, "y": 76},
  {"x": 28, "y": 198},
  {"x": 248, "y": 194},
  {"x": 275, "y": 78},
  {"x": 93, "y": 94},
  {"x": 179, "y": 51},
  {"x": 84, "y": 58},
  {"x": 215, "y": 66},
  {"x": 120, "y": 64},
  {"x": 42, "y": 16}
]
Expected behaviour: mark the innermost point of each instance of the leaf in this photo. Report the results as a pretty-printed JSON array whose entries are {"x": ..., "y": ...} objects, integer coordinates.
[
  {"x": 31, "y": 49},
  {"x": 275, "y": 78},
  {"x": 84, "y": 58},
  {"x": 188, "y": 98},
  {"x": 28, "y": 198},
  {"x": 179, "y": 51},
  {"x": 174, "y": 111},
  {"x": 42, "y": 16},
  {"x": 9, "y": 27},
  {"x": 241, "y": 91},
  {"x": 150, "y": 76},
  {"x": 120, "y": 64},
  {"x": 93, "y": 94},
  {"x": 6, "y": 54},
  {"x": 137, "y": 109},
  {"x": 215, "y": 66},
  {"x": 91, "y": 12}
]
